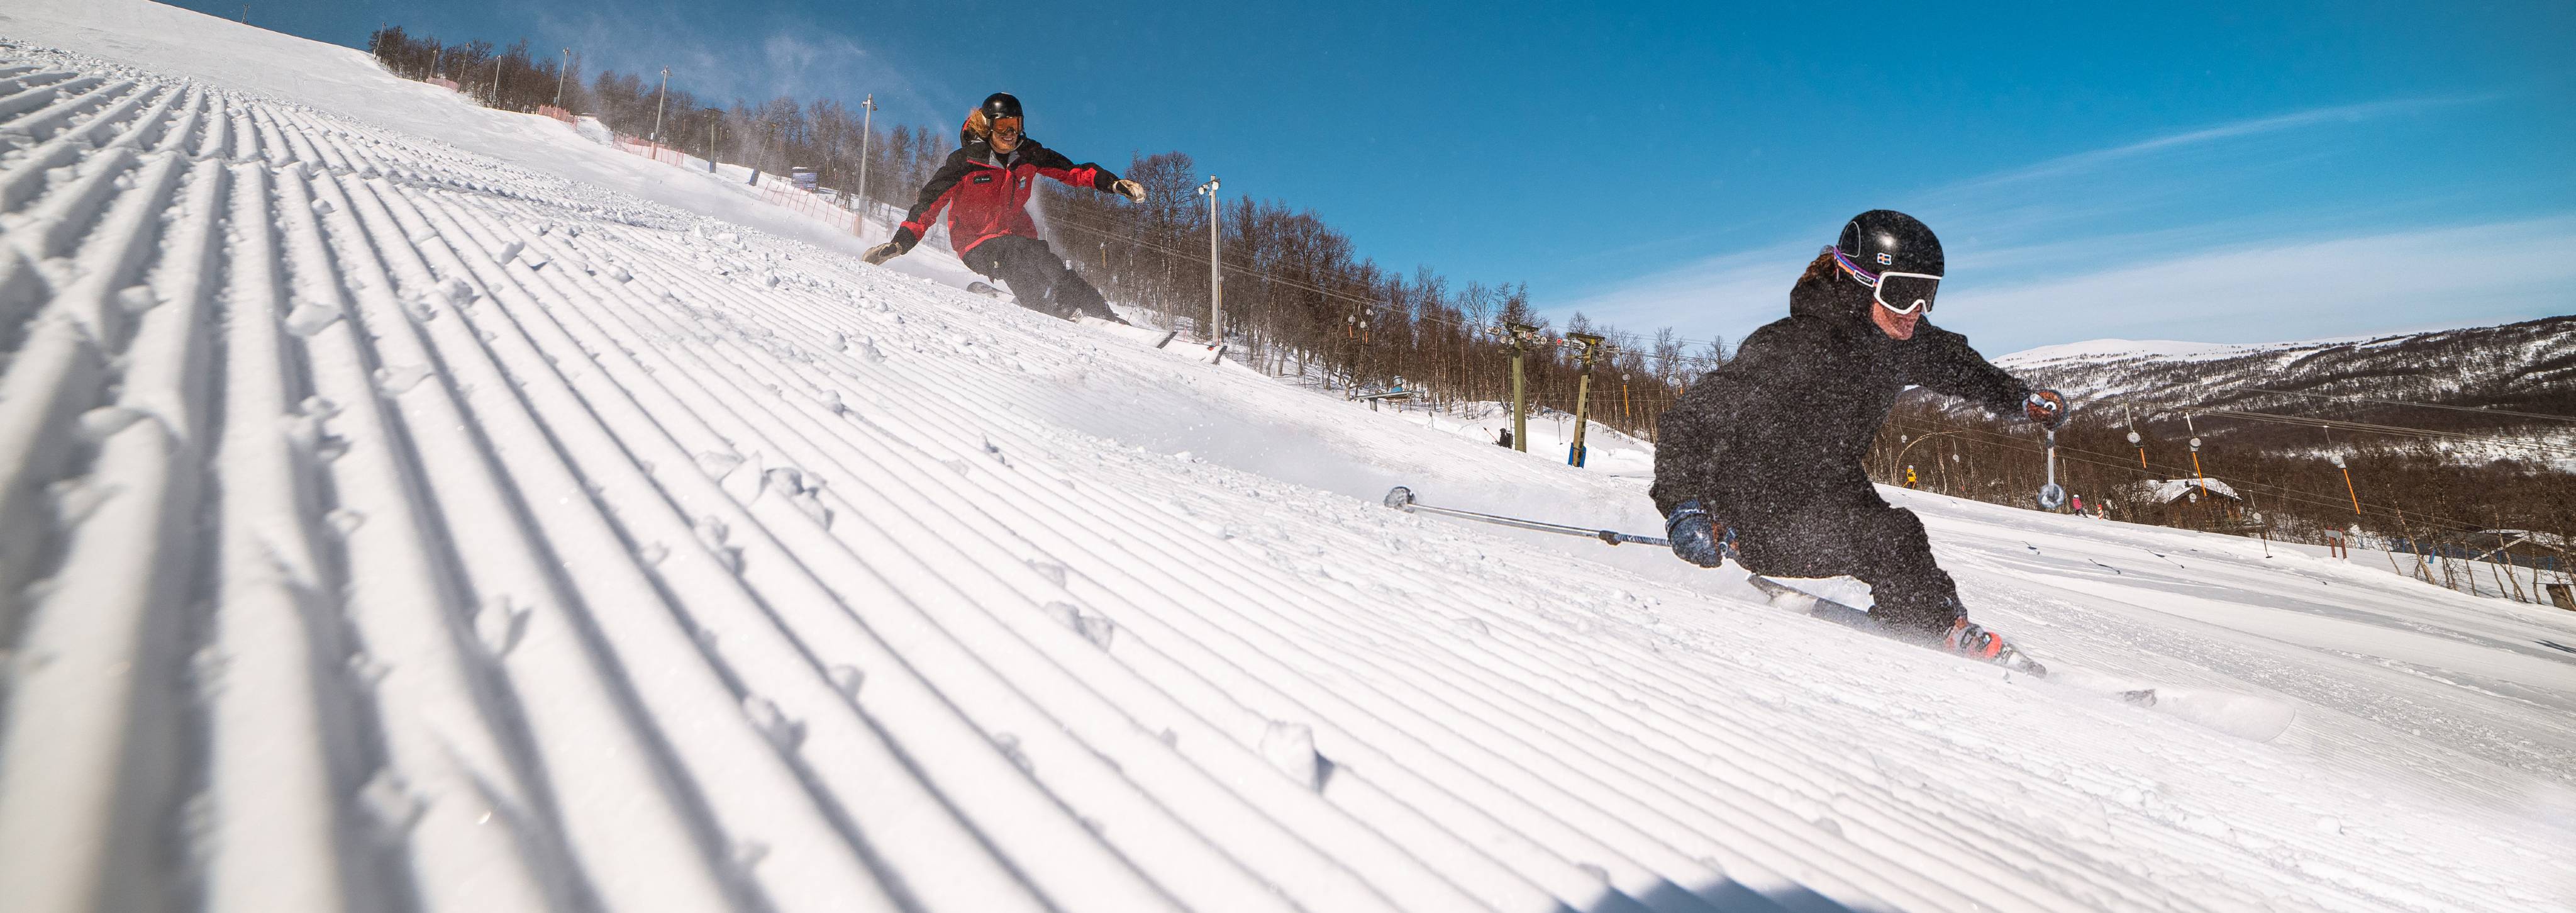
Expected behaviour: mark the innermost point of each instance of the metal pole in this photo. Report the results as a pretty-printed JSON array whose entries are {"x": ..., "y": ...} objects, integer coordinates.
[
  {"x": 661, "y": 97},
  {"x": 496, "y": 81},
  {"x": 867, "y": 121},
  {"x": 1401, "y": 498},
  {"x": 1520, "y": 399},
  {"x": 560, "y": 75},
  {"x": 1582, "y": 396},
  {"x": 2196, "y": 482},
  {"x": 1216, "y": 267}
]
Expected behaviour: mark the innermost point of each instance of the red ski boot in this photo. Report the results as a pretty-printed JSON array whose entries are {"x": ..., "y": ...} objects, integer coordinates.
[{"x": 1972, "y": 640}]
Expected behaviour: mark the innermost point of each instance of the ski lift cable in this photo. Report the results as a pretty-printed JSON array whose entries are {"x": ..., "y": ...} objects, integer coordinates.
[
  {"x": 1240, "y": 268},
  {"x": 2124, "y": 464},
  {"x": 2395, "y": 402}
]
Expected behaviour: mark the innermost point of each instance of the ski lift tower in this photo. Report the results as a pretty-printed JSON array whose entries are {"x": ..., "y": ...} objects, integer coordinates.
[
  {"x": 1216, "y": 270},
  {"x": 1591, "y": 343},
  {"x": 1522, "y": 335}
]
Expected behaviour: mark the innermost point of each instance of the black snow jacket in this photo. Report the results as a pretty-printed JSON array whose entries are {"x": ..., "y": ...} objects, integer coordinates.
[{"x": 1784, "y": 425}]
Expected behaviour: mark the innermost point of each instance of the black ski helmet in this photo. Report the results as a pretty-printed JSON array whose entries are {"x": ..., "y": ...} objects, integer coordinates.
[
  {"x": 1887, "y": 241},
  {"x": 1000, "y": 105}
]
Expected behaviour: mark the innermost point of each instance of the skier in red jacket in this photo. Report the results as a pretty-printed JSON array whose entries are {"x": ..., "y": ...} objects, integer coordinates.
[{"x": 985, "y": 186}]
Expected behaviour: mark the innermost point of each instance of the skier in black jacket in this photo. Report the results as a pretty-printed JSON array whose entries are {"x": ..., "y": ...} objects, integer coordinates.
[
  {"x": 985, "y": 187},
  {"x": 1766, "y": 450}
]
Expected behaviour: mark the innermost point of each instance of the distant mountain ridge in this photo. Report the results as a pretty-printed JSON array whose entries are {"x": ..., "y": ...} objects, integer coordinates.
[{"x": 2522, "y": 367}]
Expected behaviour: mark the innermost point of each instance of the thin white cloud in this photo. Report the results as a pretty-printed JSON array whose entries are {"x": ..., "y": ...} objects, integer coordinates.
[
  {"x": 2092, "y": 160},
  {"x": 2066, "y": 214},
  {"x": 2388, "y": 282},
  {"x": 1723, "y": 295}
]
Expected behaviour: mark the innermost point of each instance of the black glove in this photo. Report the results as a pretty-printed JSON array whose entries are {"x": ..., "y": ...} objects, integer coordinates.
[
  {"x": 1694, "y": 536},
  {"x": 2045, "y": 407},
  {"x": 902, "y": 244}
]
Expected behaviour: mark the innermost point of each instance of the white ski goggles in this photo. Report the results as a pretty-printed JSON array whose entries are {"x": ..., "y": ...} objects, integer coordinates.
[{"x": 1915, "y": 289}]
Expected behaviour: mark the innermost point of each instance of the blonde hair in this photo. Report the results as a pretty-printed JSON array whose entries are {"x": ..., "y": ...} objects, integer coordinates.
[{"x": 982, "y": 128}]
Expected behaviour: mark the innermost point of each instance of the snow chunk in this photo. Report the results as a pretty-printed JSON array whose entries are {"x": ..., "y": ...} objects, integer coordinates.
[
  {"x": 1290, "y": 747},
  {"x": 846, "y": 678},
  {"x": 136, "y": 299},
  {"x": 717, "y": 464},
  {"x": 321, "y": 207},
  {"x": 399, "y": 379},
  {"x": 773, "y": 725},
  {"x": 390, "y": 805},
  {"x": 509, "y": 251},
  {"x": 711, "y": 533},
  {"x": 105, "y": 421},
  {"x": 1010, "y": 747},
  {"x": 309, "y": 318},
  {"x": 76, "y": 499},
  {"x": 499, "y": 624},
  {"x": 458, "y": 291}
]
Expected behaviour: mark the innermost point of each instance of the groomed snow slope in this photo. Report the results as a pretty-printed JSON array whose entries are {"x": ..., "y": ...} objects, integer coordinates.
[{"x": 390, "y": 527}]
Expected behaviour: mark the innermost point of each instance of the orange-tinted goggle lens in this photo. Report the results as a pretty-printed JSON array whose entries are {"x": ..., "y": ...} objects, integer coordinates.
[{"x": 1006, "y": 127}]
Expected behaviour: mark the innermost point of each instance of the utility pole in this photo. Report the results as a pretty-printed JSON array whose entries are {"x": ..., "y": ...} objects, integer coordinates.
[
  {"x": 1216, "y": 281},
  {"x": 661, "y": 97},
  {"x": 867, "y": 120},
  {"x": 496, "y": 81},
  {"x": 560, "y": 75},
  {"x": 1591, "y": 343},
  {"x": 1521, "y": 334}
]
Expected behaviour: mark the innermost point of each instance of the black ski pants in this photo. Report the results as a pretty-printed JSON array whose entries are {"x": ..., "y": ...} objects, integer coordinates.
[
  {"x": 1863, "y": 537},
  {"x": 1037, "y": 277}
]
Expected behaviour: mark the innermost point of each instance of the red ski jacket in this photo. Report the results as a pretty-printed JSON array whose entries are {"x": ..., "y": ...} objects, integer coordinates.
[{"x": 987, "y": 193}]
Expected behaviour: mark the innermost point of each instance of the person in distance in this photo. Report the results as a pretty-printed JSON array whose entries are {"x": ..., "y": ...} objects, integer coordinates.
[{"x": 985, "y": 187}]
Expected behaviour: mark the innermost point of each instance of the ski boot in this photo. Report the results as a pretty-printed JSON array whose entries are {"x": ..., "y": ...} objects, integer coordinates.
[{"x": 1972, "y": 640}]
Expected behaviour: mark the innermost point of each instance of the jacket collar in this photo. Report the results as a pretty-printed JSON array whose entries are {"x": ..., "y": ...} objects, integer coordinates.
[{"x": 982, "y": 152}]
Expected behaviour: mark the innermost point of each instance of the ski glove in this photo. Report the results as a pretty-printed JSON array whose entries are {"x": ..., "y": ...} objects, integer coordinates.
[
  {"x": 2045, "y": 407},
  {"x": 1131, "y": 190},
  {"x": 1694, "y": 537},
  {"x": 878, "y": 255}
]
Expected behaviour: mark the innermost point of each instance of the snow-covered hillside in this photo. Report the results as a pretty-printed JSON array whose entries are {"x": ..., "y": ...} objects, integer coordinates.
[
  {"x": 406, "y": 506},
  {"x": 2528, "y": 366}
]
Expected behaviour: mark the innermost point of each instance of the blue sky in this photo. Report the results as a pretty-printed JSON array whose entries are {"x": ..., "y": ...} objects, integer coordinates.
[{"x": 2225, "y": 172}]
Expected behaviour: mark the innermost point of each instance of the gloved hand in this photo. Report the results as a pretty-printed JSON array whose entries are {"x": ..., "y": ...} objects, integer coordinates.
[
  {"x": 2045, "y": 407},
  {"x": 1133, "y": 191},
  {"x": 1694, "y": 536},
  {"x": 878, "y": 255}
]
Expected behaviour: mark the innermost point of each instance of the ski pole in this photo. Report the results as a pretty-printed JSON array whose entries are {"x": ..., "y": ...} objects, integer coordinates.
[
  {"x": 1401, "y": 498},
  {"x": 2052, "y": 497}
]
